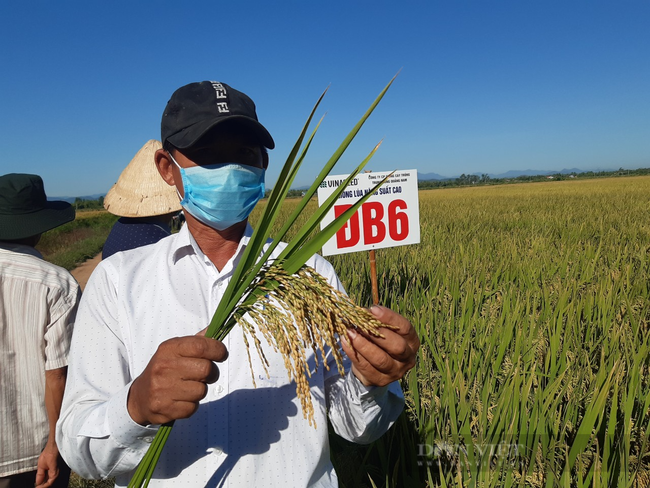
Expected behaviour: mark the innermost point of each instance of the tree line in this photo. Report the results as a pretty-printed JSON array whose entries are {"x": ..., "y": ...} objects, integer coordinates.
[
  {"x": 462, "y": 180},
  {"x": 485, "y": 179},
  {"x": 86, "y": 204}
]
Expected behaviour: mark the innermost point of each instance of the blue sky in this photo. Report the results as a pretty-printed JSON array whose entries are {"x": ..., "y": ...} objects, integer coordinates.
[{"x": 485, "y": 85}]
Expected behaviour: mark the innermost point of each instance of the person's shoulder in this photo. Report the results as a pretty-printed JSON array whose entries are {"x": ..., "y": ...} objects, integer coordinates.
[
  {"x": 37, "y": 269},
  {"x": 65, "y": 279},
  {"x": 140, "y": 255},
  {"x": 60, "y": 272},
  {"x": 57, "y": 270}
]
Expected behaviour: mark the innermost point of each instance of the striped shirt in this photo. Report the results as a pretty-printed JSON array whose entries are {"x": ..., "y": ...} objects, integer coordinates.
[{"x": 38, "y": 303}]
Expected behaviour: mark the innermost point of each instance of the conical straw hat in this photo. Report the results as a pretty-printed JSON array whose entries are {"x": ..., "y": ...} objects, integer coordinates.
[{"x": 140, "y": 191}]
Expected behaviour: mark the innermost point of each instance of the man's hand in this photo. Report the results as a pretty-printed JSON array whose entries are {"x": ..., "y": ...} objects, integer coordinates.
[
  {"x": 47, "y": 468},
  {"x": 175, "y": 380},
  {"x": 378, "y": 361}
]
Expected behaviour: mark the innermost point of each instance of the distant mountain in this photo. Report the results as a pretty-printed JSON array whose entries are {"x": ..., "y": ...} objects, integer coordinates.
[
  {"x": 569, "y": 171},
  {"x": 72, "y": 199},
  {"x": 535, "y": 172},
  {"x": 508, "y": 174},
  {"x": 431, "y": 176}
]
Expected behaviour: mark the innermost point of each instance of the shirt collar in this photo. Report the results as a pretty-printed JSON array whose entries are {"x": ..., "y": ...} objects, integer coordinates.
[
  {"x": 185, "y": 245},
  {"x": 20, "y": 248}
]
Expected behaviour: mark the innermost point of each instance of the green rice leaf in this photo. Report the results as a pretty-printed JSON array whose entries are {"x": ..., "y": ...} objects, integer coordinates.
[
  {"x": 298, "y": 257},
  {"x": 316, "y": 218}
]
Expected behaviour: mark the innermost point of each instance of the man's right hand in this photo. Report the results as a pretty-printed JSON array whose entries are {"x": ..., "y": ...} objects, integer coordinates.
[{"x": 175, "y": 380}]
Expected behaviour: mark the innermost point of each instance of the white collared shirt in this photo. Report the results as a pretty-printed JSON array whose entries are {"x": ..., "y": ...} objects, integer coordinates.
[
  {"x": 240, "y": 435},
  {"x": 38, "y": 302}
]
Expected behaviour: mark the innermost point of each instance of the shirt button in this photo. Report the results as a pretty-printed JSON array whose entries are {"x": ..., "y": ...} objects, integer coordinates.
[
  {"x": 147, "y": 439},
  {"x": 219, "y": 388}
]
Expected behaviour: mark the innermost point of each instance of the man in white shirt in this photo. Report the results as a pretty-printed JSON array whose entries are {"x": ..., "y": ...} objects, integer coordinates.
[
  {"x": 139, "y": 358},
  {"x": 38, "y": 302}
]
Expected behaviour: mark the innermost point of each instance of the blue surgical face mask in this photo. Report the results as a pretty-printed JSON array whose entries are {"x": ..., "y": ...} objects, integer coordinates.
[{"x": 221, "y": 195}]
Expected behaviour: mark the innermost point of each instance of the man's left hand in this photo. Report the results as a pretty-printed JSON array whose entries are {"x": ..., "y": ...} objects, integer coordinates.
[
  {"x": 47, "y": 469},
  {"x": 378, "y": 361}
]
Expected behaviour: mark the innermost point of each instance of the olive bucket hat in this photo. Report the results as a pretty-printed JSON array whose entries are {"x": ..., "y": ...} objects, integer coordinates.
[{"x": 25, "y": 210}]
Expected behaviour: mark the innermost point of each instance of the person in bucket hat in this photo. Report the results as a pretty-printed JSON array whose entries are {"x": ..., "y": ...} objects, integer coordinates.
[
  {"x": 143, "y": 312},
  {"x": 24, "y": 209},
  {"x": 38, "y": 303},
  {"x": 143, "y": 201}
]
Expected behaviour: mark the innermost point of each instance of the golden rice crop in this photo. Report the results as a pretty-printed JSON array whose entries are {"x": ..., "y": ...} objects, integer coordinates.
[
  {"x": 531, "y": 302},
  {"x": 301, "y": 311}
]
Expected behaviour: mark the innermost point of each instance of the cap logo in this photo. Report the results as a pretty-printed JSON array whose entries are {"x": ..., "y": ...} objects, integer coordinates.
[{"x": 221, "y": 96}]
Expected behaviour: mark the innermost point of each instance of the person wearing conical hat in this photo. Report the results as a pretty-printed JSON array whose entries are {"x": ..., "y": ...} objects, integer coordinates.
[
  {"x": 144, "y": 203},
  {"x": 38, "y": 304}
]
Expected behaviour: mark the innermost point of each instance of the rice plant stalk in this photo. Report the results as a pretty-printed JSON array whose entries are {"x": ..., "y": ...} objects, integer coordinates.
[{"x": 255, "y": 280}]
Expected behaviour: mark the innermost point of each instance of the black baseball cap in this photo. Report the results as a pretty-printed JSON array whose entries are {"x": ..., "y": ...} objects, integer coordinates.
[{"x": 196, "y": 108}]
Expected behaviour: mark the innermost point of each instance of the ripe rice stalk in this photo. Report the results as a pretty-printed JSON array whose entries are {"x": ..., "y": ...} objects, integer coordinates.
[
  {"x": 297, "y": 311},
  {"x": 286, "y": 284},
  {"x": 558, "y": 278}
]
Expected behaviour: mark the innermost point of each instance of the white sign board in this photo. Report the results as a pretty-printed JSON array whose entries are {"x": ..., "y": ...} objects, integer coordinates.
[{"x": 389, "y": 218}]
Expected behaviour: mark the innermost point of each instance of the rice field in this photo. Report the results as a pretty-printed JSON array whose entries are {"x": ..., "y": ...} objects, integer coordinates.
[{"x": 531, "y": 302}]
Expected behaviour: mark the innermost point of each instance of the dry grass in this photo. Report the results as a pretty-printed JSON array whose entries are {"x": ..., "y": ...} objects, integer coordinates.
[
  {"x": 71, "y": 244},
  {"x": 77, "y": 481}
]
